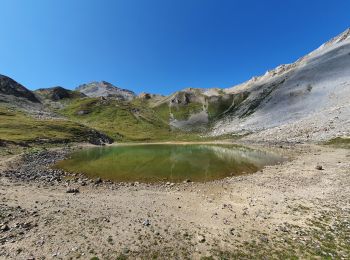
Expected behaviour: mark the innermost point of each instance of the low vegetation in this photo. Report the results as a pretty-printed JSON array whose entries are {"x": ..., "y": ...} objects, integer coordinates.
[
  {"x": 17, "y": 127},
  {"x": 340, "y": 142},
  {"x": 120, "y": 120}
]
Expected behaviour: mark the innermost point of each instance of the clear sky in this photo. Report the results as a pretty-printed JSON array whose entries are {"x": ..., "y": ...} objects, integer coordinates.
[{"x": 159, "y": 46}]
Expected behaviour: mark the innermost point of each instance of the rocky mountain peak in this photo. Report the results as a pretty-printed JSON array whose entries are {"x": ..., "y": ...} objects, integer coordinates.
[
  {"x": 57, "y": 93},
  {"x": 10, "y": 87},
  {"x": 105, "y": 89}
]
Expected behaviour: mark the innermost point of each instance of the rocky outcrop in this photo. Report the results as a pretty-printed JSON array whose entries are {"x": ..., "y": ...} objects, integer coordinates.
[
  {"x": 10, "y": 87},
  {"x": 144, "y": 96},
  {"x": 98, "y": 138},
  {"x": 105, "y": 89}
]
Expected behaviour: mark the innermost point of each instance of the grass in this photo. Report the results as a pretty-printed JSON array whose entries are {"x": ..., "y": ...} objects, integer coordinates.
[
  {"x": 121, "y": 120},
  {"x": 17, "y": 127},
  {"x": 325, "y": 237},
  {"x": 126, "y": 122},
  {"x": 341, "y": 142},
  {"x": 183, "y": 112},
  {"x": 133, "y": 121},
  {"x": 163, "y": 112},
  {"x": 217, "y": 108},
  {"x": 179, "y": 112}
]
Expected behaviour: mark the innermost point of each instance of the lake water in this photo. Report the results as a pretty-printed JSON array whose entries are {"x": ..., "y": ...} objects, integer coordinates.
[{"x": 167, "y": 162}]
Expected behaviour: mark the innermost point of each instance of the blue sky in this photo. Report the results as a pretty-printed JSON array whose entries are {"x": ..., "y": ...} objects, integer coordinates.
[{"x": 159, "y": 46}]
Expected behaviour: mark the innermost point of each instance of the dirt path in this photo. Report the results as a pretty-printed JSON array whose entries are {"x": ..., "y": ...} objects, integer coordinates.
[{"x": 286, "y": 210}]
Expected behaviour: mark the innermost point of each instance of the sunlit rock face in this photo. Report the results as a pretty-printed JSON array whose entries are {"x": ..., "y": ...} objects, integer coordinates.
[
  {"x": 105, "y": 89},
  {"x": 308, "y": 99}
]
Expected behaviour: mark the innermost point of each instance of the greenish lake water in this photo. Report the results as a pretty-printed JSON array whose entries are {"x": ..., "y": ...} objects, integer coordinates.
[{"x": 167, "y": 162}]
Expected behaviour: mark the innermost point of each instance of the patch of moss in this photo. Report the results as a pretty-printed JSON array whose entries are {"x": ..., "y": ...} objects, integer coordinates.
[{"x": 341, "y": 142}]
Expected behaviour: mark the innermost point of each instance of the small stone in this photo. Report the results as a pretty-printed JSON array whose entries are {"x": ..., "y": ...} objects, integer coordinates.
[
  {"x": 264, "y": 239},
  {"x": 4, "y": 228},
  {"x": 72, "y": 190},
  {"x": 319, "y": 167},
  {"x": 146, "y": 222},
  {"x": 201, "y": 239},
  {"x": 98, "y": 181},
  {"x": 283, "y": 229}
]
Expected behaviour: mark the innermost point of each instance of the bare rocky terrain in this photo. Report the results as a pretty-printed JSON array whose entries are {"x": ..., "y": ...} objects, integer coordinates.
[
  {"x": 303, "y": 101},
  {"x": 105, "y": 89},
  {"x": 295, "y": 209}
]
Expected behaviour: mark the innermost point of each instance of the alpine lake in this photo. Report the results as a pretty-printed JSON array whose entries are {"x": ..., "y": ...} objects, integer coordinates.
[{"x": 151, "y": 163}]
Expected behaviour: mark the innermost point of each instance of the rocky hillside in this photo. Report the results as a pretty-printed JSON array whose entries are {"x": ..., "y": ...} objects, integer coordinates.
[
  {"x": 194, "y": 109},
  {"x": 57, "y": 93},
  {"x": 25, "y": 120},
  {"x": 105, "y": 89},
  {"x": 10, "y": 87},
  {"x": 305, "y": 100}
]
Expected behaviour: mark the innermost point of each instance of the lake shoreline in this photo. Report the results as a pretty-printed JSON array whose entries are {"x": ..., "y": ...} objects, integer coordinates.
[{"x": 272, "y": 207}]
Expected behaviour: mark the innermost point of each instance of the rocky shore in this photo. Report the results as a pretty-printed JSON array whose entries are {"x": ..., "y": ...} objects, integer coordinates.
[
  {"x": 295, "y": 209},
  {"x": 36, "y": 167}
]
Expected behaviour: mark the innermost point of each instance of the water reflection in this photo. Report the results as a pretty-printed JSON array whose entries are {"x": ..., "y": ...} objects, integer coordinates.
[{"x": 150, "y": 163}]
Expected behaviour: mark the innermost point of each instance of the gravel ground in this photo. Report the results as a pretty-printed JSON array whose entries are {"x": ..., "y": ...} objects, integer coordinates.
[{"x": 292, "y": 209}]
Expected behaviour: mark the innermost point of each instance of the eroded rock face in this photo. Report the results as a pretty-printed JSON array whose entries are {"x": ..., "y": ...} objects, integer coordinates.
[
  {"x": 187, "y": 96},
  {"x": 10, "y": 87},
  {"x": 145, "y": 96}
]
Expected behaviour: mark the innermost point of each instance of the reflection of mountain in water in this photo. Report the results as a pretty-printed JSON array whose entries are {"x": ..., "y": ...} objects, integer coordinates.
[
  {"x": 192, "y": 156},
  {"x": 168, "y": 162},
  {"x": 243, "y": 155}
]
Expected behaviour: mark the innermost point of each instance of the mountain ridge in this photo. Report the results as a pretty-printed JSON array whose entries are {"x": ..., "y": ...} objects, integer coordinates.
[
  {"x": 105, "y": 89},
  {"x": 272, "y": 105},
  {"x": 8, "y": 86}
]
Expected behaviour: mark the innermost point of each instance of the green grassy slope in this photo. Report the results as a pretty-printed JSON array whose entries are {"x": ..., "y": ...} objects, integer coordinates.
[
  {"x": 137, "y": 120},
  {"x": 17, "y": 127},
  {"x": 133, "y": 121}
]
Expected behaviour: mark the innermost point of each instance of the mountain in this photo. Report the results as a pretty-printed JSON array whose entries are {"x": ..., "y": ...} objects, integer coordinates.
[
  {"x": 305, "y": 100},
  {"x": 195, "y": 109},
  {"x": 12, "y": 88},
  {"x": 105, "y": 89},
  {"x": 57, "y": 93}
]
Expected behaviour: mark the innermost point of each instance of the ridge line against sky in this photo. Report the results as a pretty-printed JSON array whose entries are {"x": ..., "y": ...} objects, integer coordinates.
[{"x": 159, "y": 46}]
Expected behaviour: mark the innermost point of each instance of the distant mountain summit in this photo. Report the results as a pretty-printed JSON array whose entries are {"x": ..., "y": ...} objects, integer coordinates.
[
  {"x": 10, "y": 87},
  {"x": 58, "y": 93},
  {"x": 105, "y": 89}
]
